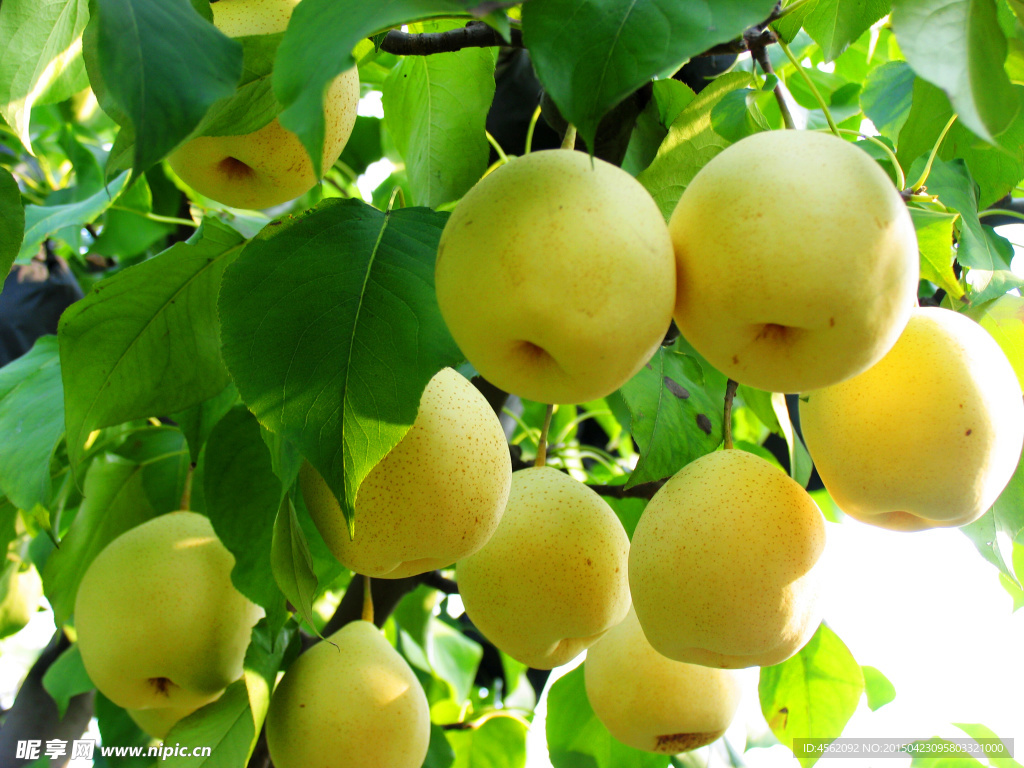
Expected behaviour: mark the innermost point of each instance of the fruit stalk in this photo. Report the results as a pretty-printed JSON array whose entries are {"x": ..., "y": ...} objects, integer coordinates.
[
  {"x": 542, "y": 444},
  {"x": 730, "y": 394}
]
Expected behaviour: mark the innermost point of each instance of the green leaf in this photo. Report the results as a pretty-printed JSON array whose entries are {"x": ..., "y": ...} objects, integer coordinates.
[
  {"x": 887, "y": 96},
  {"x": 226, "y": 726},
  {"x": 42, "y": 221},
  {"x": 813, "y": 694},
  {"x": 263, "y": 659},
  {"x": 292, "y": 563},
  {"x": 1004, "y": 319},
  {"x": 164, "y": 66},
  {"x": 339, "y": 372},
  {"x": 1012, "y": 586},
  {"x": 145, "y": 342},
  {"x": 996, "y": 169},
  {"x": 317, "y": 48},
  {"x": 959, "y": 46},
  {"x": 242, "y": 499},
  {"x": 454, "y": 657},
  {"x": 32, "y": 416},
  {"x": 612, "y": 49},
  {"x": 577, "y": 739},
  {"x": 117, "y": 727},
  {"x": 800, "y": 464},
  {"x": 880, "y": 691},
  {"x": 675, "y": 413},
  {"x": 981, "y": 733},
  {"x": 12, "y": 221},
  {"x": 995, "y": 532},
  {"x": 114, "y": 502},
  {"x": 939, "y": 756},
  {"x": 39, "y": 54},
  {"x": 253, "y": 105},
  {"x": 66, "y": 678},
  {"x": 690, "y": 145},
  {"x": 498, "y": 743},
  {"x": 439, "y": 752},
  {"x": 197, "y": 422},
  {"x": 164, "y": 459},
  {"x": 738, "y": 115},
  {"x": 834, "y": 24},
  {"x": 935, "y": 246},
  {"x": 436, "y": 108}
]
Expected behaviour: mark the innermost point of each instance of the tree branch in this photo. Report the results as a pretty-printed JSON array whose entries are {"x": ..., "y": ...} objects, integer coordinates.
[
  {"x": 641, "y": 491},
  {"x": 475, "y": 34}
]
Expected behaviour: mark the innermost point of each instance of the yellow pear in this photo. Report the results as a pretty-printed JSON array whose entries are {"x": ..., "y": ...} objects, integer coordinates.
[
  {"x": 434, "y": 499},
  {"x": 159, "y": 623},
  {"x": 20, "y": 592},
  {"x": 928, "y": 437},
  {"x": 268, "y": 166},
  {"x": 724, "y": 563},
  {"x": 796, "y": 259},
  {"x": 651, "y": 702},
  {"x": 350, "y": 701},
  {"x": 552, "y": 579},
  {"x": 556, "y": 278}
]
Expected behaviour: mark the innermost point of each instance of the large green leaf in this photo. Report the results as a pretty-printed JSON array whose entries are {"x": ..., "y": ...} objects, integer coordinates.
[
  {"x": 42, "y": 221},
  {"x": 995, "y": 532},
  {"x": 227, "y": 726},
  {"x": 675, "y": 413},
  {"x": 32, "y": 418},
  {"x": 66, "y": 678},
  {"x": 813, "y": 694},
  {"x": 12, "y": 221},
  {"x": 253, "y": 105},
  {"x": 318, "y": 47},
  {"x": 499, "y": 743},
  {"x": 292, "y": 563},
  {"x": 959, "y": 46},
  {"x": 331, "y": 331},
  {"x": 114, "y": 501},
  {"x": 40, "y": 53},
  {"x": 887, "y": 96},
  {"x": 145, "y": 342},
  {"x": 834, "y": 24},
  {"x": 1004, "y": 319},
  {"x": 164, "y": 66},
  {"x": 196, "y": 423},
  {"x": 577, "y": 739},
  {"x": 591, "y": 54},
  {"x": 242, "y": 498},
  {"x": 435, "y": 108},
  {"x": 690, "y": 145},
  {"x": 935, "y": 246},
  {"x": 996, "y": 169}
]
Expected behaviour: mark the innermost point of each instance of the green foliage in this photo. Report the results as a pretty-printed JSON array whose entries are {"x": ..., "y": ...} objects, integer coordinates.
[
  {"x": 813, "y": 694},
  {"x": 12, "y": 220}
]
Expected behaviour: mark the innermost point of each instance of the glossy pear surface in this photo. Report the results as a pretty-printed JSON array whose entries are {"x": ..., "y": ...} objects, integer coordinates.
[
  {"x": 159, "y": 622},
  {"x": 552, "y": 579},
  {"x": 556, "y": 278},
  {"x": 797, "y": 261},
  {"x": 928, "y": 437},
  {"x": 724, "y": 563},
  {"x": 349, "y": 701},
  {"x": 651, "y": 702},
  {"x": 269, "y": 166},
  {"x": 435, "y": 498}
]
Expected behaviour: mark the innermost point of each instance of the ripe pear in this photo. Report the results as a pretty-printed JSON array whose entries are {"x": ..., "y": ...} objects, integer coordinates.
[
  {"x": 159, "y": 623},
  {"x": 650, "y": 702},
  {"x": 556, "y": 278},
  {"x": 349, "y": 701},
  {"x": 797, "y": 261},
  {"x": 270, "y": 165},
  {"x": 20, "y": 592},
  {"x": 928, "y": 437},
  {"x": 552, "y": 579},
  {"x": 724, "y": 564},
  {"x": 434, "y": 499}
]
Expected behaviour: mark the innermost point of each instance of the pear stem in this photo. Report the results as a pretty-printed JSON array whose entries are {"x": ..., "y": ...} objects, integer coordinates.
[
  {"x": 542, "y": 444},
  {"x": 186, "y": 495},
  {"x": 730, "y": 393},
  {"x": 529, "y": 131},
  {"x": 569, "y": 139},
  {"x": 367, "y": 600}
]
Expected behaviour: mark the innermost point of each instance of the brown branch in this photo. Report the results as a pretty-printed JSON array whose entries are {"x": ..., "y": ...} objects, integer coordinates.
[
  {"x": 641, "y": 491},
  {"x": 440, "y": 583},
  {"x": 475, "y": 34},
  {"x": 760, "y": 54}
]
